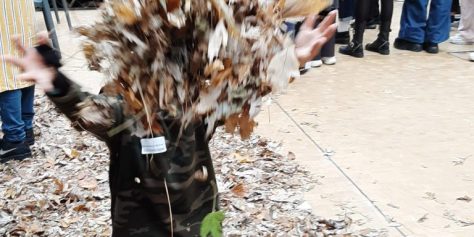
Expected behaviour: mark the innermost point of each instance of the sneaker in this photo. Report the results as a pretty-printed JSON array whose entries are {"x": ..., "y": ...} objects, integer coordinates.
[
  {"x": 458, "y": 39},
  {"x": 13, "y": 151},
  {"x": 30, "y": 137},
  {"x": 329, "y": 60},
  {"x": 471, "y": 57},
  {"x": 314, "y": 63}
]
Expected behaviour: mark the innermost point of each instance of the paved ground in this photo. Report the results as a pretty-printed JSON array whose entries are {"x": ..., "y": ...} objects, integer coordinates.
[{"x": 389, "y": 137}]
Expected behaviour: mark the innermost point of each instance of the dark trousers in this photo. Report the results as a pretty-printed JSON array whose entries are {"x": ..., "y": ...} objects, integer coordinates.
[
  {"x": 455, "y": 7},
  {"x": 362, "y": 14},
  {"x": 417, "y": 28},
  {"x": 346, "y": 8},
  {"x": 16, "y": 109}
]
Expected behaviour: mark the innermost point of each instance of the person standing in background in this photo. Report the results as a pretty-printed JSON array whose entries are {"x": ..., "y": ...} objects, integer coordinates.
[
  {"x": 346, "y": 14},
  {"x": 465, "y": 35},
  {"x": 16, "y": 96},
  {"x": 418, "y": 32},
  {"x": 362, "y": 13}
]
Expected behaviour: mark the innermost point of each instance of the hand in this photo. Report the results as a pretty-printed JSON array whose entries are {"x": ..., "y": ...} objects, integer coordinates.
[
  {"x": 309, "y": 41},
  {"x": 32, "y": 64}
]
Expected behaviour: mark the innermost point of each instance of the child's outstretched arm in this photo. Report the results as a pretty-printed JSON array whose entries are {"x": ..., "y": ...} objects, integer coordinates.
[{"x": 40, "y": 65}]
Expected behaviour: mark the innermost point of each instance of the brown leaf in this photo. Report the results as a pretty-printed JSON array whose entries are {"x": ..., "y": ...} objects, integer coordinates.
[
  {"x": 231, "y": 123},
  {"x": 239, "y": 190},
  {"x": 81, "y": 208},
  {"x": 125, "y": 13},
  {"x": 59, "y": 186}
]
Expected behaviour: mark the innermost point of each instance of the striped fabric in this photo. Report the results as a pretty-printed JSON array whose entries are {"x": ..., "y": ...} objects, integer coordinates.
[{"x": 16, "y": 18}]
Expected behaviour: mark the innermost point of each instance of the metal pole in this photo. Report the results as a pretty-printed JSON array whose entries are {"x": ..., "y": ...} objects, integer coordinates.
[
  {"x": 66, "y": 10},
  {"x": 50, "y": 25},
  {"x": 55, "y": 7}
]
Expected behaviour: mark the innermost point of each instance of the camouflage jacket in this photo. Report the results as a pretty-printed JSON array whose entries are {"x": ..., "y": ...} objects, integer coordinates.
[{"x": 140, "y": 204}]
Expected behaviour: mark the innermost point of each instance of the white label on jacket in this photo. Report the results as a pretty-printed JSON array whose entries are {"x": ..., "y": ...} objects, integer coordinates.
[{"x": 153, "y": 145}]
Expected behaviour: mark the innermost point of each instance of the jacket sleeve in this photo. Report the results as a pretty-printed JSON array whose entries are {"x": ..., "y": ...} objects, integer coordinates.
[{"x": 97, "y": 114}]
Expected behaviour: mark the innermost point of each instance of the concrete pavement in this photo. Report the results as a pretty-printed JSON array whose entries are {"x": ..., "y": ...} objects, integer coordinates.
[{"x": 389, "y": 138}]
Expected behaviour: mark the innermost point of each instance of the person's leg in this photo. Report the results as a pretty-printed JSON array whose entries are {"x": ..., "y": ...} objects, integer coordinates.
[
  {"x": 438, "y": 25},
  {"x": 455, "y": 9},
  {"x": 466, "y": 24},
  {"x": 386, "y": 16},
  {"x": 374, "y": 15},
  {"x": 361, "y": 14},
  {"x": 27, "y": 112},
  {"x": 413, "y": 21},
  {"x": 346, "y": 14},
  {"x": 327, "y": 55},
  {"x": 381, "y": 44},
  {"x": 13, "y": 126},
  {"x": 13, "y": 144}
]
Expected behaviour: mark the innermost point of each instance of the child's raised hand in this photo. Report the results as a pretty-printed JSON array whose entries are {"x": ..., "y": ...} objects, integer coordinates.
[
  {"x": 32, "y": 64},
  {"x": 309, "y": 41}
]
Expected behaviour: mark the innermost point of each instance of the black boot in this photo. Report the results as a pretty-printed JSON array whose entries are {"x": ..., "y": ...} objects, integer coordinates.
[
  {"x": 381, "y": 45},
  {"x": 354, "y": 49},
  {"x": 13, "y": 151},
  {"x": 30, "y": 137}
]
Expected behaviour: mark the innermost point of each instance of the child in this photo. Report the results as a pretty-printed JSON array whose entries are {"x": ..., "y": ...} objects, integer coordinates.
[{"x": 165, "y": 194}]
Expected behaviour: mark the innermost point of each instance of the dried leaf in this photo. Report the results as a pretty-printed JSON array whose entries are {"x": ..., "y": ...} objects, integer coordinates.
[
  {"x": 59, "y": 186},
  {"x": 239, "y": 190},
  {"x": 81, "y": 208}
]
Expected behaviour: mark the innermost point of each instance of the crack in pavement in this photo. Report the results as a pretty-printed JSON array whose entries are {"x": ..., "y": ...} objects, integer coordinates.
[{"x": 328, "y": 155}]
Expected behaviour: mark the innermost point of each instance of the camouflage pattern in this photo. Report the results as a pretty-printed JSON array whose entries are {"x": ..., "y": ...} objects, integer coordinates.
[{"x": 139, "y": 201}]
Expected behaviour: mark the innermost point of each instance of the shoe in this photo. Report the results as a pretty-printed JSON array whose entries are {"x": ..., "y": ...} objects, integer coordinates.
[
  {"x": 353, "y": 49},
  {"x": 380, "y": 46},
  {"x": 471, "y": 57},
  {"x": 13, "y": 151},
  {"x": 459, "y": 39},
  {"x": 303, "y": 70},
  {"x": 314, "y": 63},
  {"x": 402, "y": 44},
  {"x": 431, "y": 47},
  {"x": 343, "y": 37},
  {"x": 329, "y": 60},
  {"x": 30, "y": 137}
]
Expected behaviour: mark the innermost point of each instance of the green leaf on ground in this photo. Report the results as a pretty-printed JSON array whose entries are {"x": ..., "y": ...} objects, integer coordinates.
[{"x": 212, "y": 224}]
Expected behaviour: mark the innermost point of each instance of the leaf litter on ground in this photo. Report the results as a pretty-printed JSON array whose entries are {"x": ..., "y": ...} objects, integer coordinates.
[{"x": 63, "y": 190}]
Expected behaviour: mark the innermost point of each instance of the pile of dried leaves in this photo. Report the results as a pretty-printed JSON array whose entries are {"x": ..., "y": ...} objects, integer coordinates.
[
  {"x": 193, "y": 59},
  {"x": 261, "y": 192},
  {"x": 63, "y": 190}
]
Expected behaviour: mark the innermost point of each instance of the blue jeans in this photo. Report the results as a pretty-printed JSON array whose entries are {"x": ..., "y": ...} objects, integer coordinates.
[
  {"x": 416, "y": 28},
  {"x": 16, "y": 110}
]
